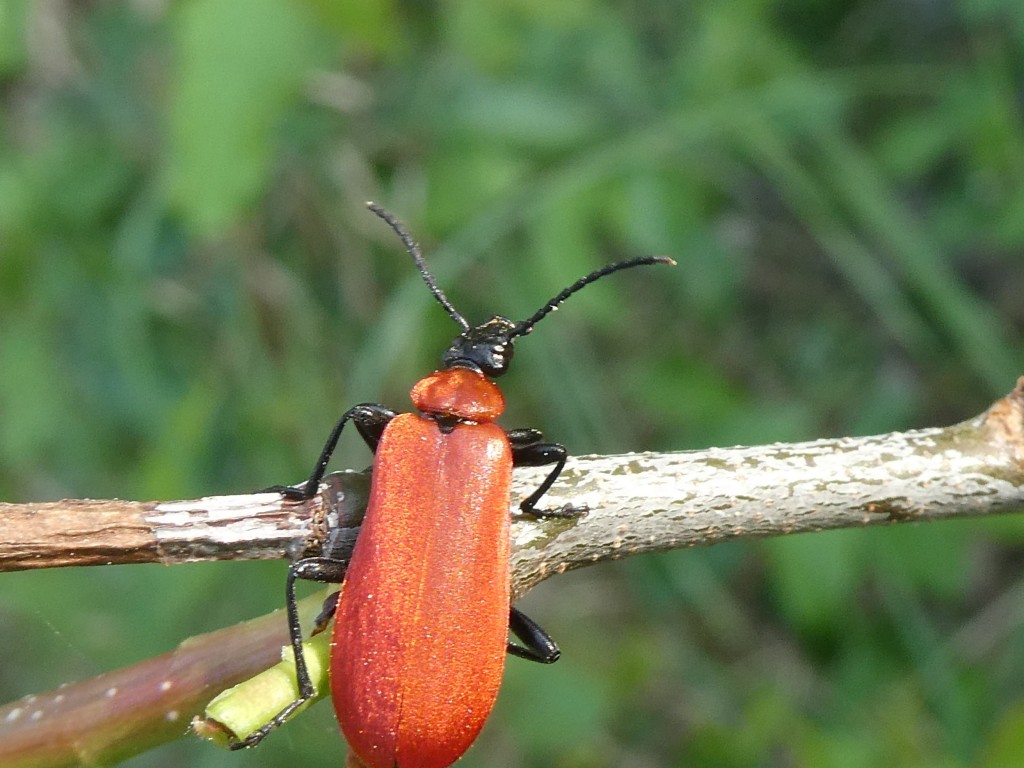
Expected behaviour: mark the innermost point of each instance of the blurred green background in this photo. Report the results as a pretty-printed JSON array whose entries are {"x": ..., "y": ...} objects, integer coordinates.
[{"x": 191, "y": 292}]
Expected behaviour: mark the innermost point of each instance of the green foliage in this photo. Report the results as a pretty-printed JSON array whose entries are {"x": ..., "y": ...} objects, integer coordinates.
[
  {"x": 236, "y": 77},
  {"x": 191, "y": 292}
]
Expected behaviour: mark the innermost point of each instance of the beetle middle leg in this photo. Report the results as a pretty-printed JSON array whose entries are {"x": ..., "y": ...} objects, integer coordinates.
[
  {"x": 529, "y": 450},
  {"x": 322, "y": 569}
]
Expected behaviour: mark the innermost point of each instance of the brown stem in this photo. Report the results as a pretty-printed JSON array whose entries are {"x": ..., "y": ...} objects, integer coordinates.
[
  {"x": 122, "y": 713},
  {"x": 638, "y": 502}
]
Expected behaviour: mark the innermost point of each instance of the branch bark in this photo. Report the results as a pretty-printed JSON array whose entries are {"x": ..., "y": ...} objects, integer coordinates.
[{"x": 638, "y": 503}]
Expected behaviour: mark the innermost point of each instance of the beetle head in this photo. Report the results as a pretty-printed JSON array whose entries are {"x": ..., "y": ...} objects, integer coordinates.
[{"x": 486, "y": 348}]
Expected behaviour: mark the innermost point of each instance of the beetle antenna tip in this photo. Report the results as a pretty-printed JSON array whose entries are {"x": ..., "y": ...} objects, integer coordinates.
[
  {"x": 525, "y": 326},
  {"x": 421, "y": 265}
]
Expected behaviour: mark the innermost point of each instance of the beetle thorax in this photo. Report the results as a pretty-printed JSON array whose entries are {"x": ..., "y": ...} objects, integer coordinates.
[{"x": 461, "y": 393}]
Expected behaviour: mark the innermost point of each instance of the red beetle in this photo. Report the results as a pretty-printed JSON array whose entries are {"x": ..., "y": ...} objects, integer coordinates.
[{"x": 421, "y": 624}]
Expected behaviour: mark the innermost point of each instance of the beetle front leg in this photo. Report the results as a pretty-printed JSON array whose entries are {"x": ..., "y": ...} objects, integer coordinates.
[
  {"x": 529, "y": 451},
  {"x": 322, "y": 569},
  {"x": 538, "y": 644},
  {"x": 370, "y": 420}
]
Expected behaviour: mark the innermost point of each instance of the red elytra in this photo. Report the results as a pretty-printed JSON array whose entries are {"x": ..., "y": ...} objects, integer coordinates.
[
  {"x": 420, "y": 630},
  {"x": 421, "y": 626}
]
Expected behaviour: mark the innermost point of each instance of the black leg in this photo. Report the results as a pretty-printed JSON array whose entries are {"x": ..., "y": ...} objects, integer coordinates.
[
  {"x": 321, "y": 569},
  {"x": 370, "y": 420},
  {"x": 538, "y": 644},
  {"x": 529, "y": 451},
  {"x": 326, "y": 614}
]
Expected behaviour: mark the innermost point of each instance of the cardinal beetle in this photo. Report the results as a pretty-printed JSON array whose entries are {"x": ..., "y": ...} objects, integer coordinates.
[{"x": 421, "y": 624}]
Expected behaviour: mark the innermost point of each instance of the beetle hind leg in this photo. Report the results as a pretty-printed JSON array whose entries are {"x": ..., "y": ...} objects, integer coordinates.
[{"x": 537, "y": 645}]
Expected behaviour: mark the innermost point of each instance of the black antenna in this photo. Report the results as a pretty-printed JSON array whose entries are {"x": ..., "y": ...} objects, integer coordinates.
[
  {"x": 421, "y": 265},
  {"x": 524, "y": 327}
]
